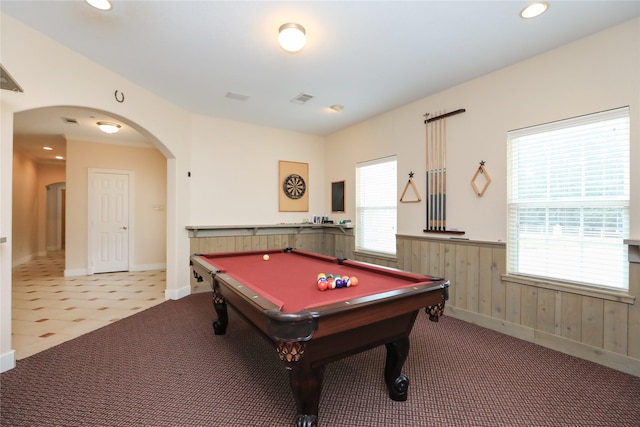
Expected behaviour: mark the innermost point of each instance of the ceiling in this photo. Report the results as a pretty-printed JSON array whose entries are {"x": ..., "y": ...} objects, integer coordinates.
[
  {"x": 369, "y": 56},
  {"x": 52, "y": 126}
]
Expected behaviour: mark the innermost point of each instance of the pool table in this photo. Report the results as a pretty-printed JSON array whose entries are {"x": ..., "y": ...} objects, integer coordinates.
[{"x": 310, "y": 328}]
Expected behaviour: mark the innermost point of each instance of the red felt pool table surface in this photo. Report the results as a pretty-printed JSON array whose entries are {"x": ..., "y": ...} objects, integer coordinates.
[{"x": 289, "y": 279}]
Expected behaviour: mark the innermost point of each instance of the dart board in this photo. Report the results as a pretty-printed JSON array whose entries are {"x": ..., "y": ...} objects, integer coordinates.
[{"x": 294, "y": 186}]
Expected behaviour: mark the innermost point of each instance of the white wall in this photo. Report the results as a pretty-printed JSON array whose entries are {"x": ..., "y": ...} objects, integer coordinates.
[
  {"x": 25, "y": 209},
  {"x": 234, "y": 172},
  {"x": 593, "y": 74}
]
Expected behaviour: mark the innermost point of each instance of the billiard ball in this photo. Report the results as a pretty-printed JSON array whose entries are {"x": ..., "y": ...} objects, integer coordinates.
[
  {"x": 353, "y": 280},
  {"x": 322, "y": 285},
  {"x": 265, "y": 257}
]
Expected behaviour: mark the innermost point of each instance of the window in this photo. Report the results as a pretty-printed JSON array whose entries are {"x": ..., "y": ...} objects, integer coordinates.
[
  {"x": 376, "y": 206},
  {"x": 568, "y": 200}
]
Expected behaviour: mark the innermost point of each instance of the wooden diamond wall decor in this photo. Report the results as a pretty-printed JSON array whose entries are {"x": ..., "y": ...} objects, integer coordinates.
[{"x": 481, "y": 172}]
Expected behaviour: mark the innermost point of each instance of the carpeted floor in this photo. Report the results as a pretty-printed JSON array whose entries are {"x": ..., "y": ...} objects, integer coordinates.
[{"x": 165, "y": 367}]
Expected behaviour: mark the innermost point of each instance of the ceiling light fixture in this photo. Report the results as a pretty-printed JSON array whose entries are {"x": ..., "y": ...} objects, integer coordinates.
[
  {"x": 292, "y": 37},
  {"x": 336, "y": 108},
  {"x": 108, "y": 127},
  {"x": 100, "y": 4},
  {"x": 533, "y": 10},
  {"x": 47, "y": 148},
  {"x": 59, "y": 157}
]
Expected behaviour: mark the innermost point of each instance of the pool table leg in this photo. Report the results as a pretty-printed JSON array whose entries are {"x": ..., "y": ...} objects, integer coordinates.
[
  {"x": 305, "y": 381},
  {"x": 306, "y": 384},
  {"x": 397, "y": 382},
  {"x": 220, "y": 306}
]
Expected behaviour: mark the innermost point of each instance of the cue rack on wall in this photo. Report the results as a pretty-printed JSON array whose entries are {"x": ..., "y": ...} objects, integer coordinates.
[{"x": 436, "y": 145}]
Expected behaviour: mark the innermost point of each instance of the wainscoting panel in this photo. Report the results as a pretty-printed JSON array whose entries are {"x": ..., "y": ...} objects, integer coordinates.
[{"x": 601, "y": 326}]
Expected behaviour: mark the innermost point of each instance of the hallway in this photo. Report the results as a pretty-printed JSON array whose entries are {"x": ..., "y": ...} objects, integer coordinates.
[{"x": 49, "y": 309}]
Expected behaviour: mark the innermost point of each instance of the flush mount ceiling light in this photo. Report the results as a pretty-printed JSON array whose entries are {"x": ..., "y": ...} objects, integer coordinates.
[
  {"x": 337, "y": 108},
  {"x": 533, "y": 10},
  {"x": 100, "y": 4},
  {"x": 108, "y": 127},
  {"x": 292, "y": 37}
]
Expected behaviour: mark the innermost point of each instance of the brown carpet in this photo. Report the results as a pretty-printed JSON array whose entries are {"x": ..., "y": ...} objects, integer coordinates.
[{"x": 165, "y": 367}]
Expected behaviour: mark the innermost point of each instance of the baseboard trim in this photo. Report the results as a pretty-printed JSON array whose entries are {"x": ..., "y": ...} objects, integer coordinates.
[
  {"x": 76, "y": 272},
  {"x": 147, "y": 267},
  {"x": 175, "y": 294},
  {"x": 600, "y": 356},
  {"x": 7, "y": 361},
  {"x": 22, "y": 260}
]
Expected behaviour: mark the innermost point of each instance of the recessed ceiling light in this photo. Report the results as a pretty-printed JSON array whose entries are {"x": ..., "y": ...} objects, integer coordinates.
[
  {"x": 534, "y": 9},
  {"x": 47, "y": 148},
  {"x": 108, "y": 127},
  {"x": 59, "y": 157},
  {"x": 292, "y": 37},
  {"x": 337, "y": 107},
  {"x": 100, "y": 4}
]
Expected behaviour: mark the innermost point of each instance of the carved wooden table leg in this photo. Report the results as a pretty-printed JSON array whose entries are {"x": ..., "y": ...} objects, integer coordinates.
[
  {"x": 220, "y": 306},
  {"x": 397, "y": 382},
  {"x": 305, "y": 381}
]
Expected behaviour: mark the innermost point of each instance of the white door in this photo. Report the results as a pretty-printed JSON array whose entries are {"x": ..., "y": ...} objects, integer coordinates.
[{"x": 109, "y": 222}]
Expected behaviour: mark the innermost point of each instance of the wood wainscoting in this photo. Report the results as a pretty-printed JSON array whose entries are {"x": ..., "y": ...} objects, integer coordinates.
[{"x": 600, "y": 326}]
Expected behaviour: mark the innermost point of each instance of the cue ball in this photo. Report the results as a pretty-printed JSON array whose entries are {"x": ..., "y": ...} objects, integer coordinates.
[{"x": 265, "y": 257}]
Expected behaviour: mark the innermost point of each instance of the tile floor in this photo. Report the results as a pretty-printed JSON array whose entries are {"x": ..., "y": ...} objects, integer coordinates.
[{"x": 49, "y": 309}]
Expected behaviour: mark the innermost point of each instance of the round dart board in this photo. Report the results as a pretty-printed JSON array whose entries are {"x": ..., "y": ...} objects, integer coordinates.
[{"x": 294, "y": 186}]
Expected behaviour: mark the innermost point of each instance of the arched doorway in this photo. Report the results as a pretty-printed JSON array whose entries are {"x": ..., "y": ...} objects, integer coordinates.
[{"x": 58, "y": 208}]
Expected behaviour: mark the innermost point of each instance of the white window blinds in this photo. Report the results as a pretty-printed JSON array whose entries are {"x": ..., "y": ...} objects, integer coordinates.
[
  {"x": 376, "y": 205},
  {"x": 568, "y": 200}
]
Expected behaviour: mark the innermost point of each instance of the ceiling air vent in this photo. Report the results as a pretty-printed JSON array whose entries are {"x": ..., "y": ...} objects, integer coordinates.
[
  {"x": 236, "y": 96},
  {"x": 302, "y": 98},
  {"x": 7, "y": 82}
]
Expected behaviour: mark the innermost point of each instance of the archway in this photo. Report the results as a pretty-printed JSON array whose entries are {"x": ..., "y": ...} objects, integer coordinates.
[{"x": 78, "y": 147}]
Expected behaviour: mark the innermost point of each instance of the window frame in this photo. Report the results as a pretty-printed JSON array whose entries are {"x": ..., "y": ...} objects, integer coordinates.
[
  {"x": 519, "y": 200},
  {"x": 391, "y": 204}
]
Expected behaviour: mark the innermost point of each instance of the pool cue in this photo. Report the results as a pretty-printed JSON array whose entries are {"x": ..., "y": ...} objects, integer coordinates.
[
  {"x": 431, "y": 177},
  {"x": 436, "y": 172},
  {"x": 436, "y": 135},
  {"x": 444, "y": 173},
  {"x": 441, "y": 173}
]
